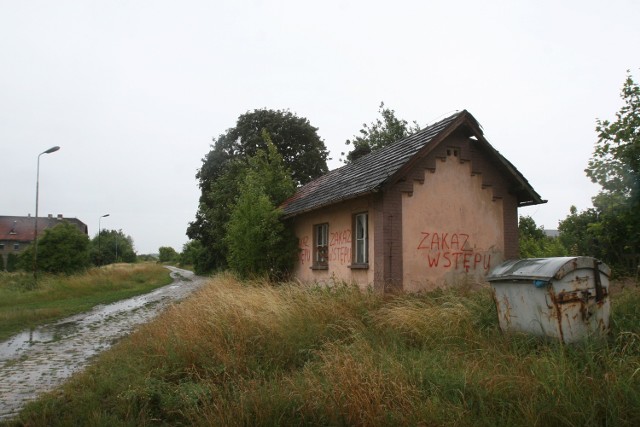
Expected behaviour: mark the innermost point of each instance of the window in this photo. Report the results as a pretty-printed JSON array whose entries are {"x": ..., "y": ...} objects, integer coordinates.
[
  {"x": 321, "y": 246},
  {"x": 16, "y": 246},
  {"x": 361, "y": 245},
  {"x": 1, "y": 246}
]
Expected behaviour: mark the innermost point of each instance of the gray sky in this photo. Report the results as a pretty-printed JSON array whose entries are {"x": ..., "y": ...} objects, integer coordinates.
[{"x": 133, "y": 91}]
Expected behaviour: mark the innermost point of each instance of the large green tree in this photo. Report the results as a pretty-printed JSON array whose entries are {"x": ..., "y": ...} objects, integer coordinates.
[
  {"x": 611, "y": 231},
  {"x": 385, "y": 130},
  {"x": 223, "y": 170},
  {"x": 62, "y": 249},
  {"x": 615, "y": 163},
  {"x": 259, "y": 242},
  {"x": 112, "y": 246}
]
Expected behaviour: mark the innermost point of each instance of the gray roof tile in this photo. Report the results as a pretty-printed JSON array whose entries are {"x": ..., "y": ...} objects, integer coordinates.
[{"x": 370, "y": 172}]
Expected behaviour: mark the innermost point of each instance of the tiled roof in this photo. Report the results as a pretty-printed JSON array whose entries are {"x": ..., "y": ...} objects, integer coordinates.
[
  {"x": 21, "y": 228},
  {"x": 369, "y": 173}
]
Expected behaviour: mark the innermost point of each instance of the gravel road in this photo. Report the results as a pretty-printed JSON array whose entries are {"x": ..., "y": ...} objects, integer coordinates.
[{"x": 37, "y": 361}]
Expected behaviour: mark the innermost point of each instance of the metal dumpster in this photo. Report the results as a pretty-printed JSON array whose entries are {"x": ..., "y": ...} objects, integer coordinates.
[{"x": 565, "y": 298}]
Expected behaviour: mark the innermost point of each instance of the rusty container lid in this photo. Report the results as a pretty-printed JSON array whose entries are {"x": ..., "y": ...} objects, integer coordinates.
[{"x": 544, "y": 269}]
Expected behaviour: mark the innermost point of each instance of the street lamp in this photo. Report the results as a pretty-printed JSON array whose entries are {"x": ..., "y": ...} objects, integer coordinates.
[
  {"x": 99, "y": 252},
  {"x": 35, "y": 231}
]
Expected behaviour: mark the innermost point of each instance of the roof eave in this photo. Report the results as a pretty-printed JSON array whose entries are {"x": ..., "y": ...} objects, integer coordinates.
[{"x": 331, "y": 203}]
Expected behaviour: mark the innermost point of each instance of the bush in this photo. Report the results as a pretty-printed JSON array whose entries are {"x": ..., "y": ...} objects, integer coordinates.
[
  {"x": 167, "y": 254},
  {"x": 12, "y": 262},
  {"x": 62, "y": 249}
]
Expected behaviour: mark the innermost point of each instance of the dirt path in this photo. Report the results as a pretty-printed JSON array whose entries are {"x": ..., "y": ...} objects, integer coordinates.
[{"x": 37, "y": 361}]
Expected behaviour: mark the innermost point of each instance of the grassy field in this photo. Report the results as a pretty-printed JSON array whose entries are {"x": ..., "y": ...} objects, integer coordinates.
[
  {"x": 252, "y": 354},
  {"x": 58, "y": 296}
]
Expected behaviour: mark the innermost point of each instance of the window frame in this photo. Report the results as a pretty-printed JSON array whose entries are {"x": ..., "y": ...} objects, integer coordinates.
[
  {"x": 320, "y": 246},
  {"x": 360, "y": 243}
]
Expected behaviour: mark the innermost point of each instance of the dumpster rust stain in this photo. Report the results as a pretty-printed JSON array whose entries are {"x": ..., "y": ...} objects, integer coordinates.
[
  {"x": 578, "y": 301},
  {"x": 506, "y": 313}
]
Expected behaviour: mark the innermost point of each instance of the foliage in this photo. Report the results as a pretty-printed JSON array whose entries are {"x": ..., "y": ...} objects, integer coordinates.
[
  {"x": 167, "y": 254},
  {"x": 62, "y": 249},
  {"x": 577, "y": 235},
  {"x": 59, "y": 296},
  {"x": 254, "y": 354},
  {"x": 258, "y": 241},
  {"x": 611, "y": 230},
  {"x": 190, "y": 253},
  {"x": 615, "y": 163},
  {"x": 302, "y": 150},
  {"x": 380, "y": 133},
  {"x": 2, "y": 263},
  {"x": 112, "y": 246},
  {"x": 213, "y": 214},
  {"x": 527, "y": 228},
  {"x": 223, "y": 169},
  {"x": 534, "y": 243},
  {"x": 12, "y": 262}
]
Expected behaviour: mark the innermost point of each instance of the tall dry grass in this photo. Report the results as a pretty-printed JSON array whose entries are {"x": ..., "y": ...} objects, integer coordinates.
[{"x": 255, "y": 354}]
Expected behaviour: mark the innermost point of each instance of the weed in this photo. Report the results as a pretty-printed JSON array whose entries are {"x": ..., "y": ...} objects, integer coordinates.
[{"x": 239, "y": 353}]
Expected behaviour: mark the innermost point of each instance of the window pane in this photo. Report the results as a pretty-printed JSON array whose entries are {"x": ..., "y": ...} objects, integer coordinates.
[
  {"x": 360, "y": 251},
  {"x": 321, "y": 240},
  {"x": 361, "y": 246},
  {"x": 360, "y": 227}
]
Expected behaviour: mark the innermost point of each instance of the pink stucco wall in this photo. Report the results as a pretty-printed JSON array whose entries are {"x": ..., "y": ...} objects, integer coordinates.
[
  {"x": 339, "y": 217},
  {"x": 452, "y": 228}
]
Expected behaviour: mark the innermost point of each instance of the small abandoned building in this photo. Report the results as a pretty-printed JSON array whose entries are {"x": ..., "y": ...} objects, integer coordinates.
[
  {"x": 433, "y": 209},
  {"x": 17, "y": 232}
]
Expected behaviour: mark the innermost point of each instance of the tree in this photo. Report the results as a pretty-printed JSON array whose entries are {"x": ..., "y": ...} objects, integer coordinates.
[
  {"x": 615, "y": 166},
  {"x": 534, "y": 243},
  {"x": 615, "y": 163},
  {"x": 302, "y": 150},
  {"x": 259, "y": 242},
  {"x": 62, "y": 249},
  {"x": 13, "y": 262},
  {"x": 380, "y": 133},
  {"x": 191, "y": 252},
  {"x": 112, "y": 246},
  {"x": 167, "y": 254},
  {"x": 224, "y": 167}
]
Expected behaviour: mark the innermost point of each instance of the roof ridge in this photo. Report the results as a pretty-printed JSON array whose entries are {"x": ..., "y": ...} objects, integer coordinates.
[{"x": 364, "y": 174}]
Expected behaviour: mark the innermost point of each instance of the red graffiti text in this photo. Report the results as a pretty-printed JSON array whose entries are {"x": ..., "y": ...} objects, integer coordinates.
[{"x": 453, "y": 251}]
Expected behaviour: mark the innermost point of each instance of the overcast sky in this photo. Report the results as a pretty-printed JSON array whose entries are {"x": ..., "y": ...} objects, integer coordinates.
[{"x": 134, "y": 91}]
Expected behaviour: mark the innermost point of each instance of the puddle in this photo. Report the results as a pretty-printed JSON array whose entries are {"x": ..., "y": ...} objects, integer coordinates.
[
  {"x": 38, "y": 360},
  {"x": 20, "y": 343}
]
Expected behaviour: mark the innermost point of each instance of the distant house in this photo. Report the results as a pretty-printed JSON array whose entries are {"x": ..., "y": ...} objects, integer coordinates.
[
  {"x": 433, "y": 209},
  {"x": 17, "y": 232}
]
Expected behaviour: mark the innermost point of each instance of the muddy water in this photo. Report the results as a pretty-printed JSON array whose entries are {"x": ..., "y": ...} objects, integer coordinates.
[{"x": 38, "y": 360}]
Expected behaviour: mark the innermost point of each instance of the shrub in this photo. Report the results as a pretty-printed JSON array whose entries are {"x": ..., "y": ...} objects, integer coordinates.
[{"x": 62, "y": 249}]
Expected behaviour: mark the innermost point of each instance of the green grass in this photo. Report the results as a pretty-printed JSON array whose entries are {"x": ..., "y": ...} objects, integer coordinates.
[
  {"x": 59, "y": 296},
  {"x": 253, "y": 354}
]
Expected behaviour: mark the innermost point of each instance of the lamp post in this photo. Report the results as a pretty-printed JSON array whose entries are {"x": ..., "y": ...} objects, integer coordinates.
[
  {"x": 99, "y": 251},
  {"x": 35, "y": 230}
]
